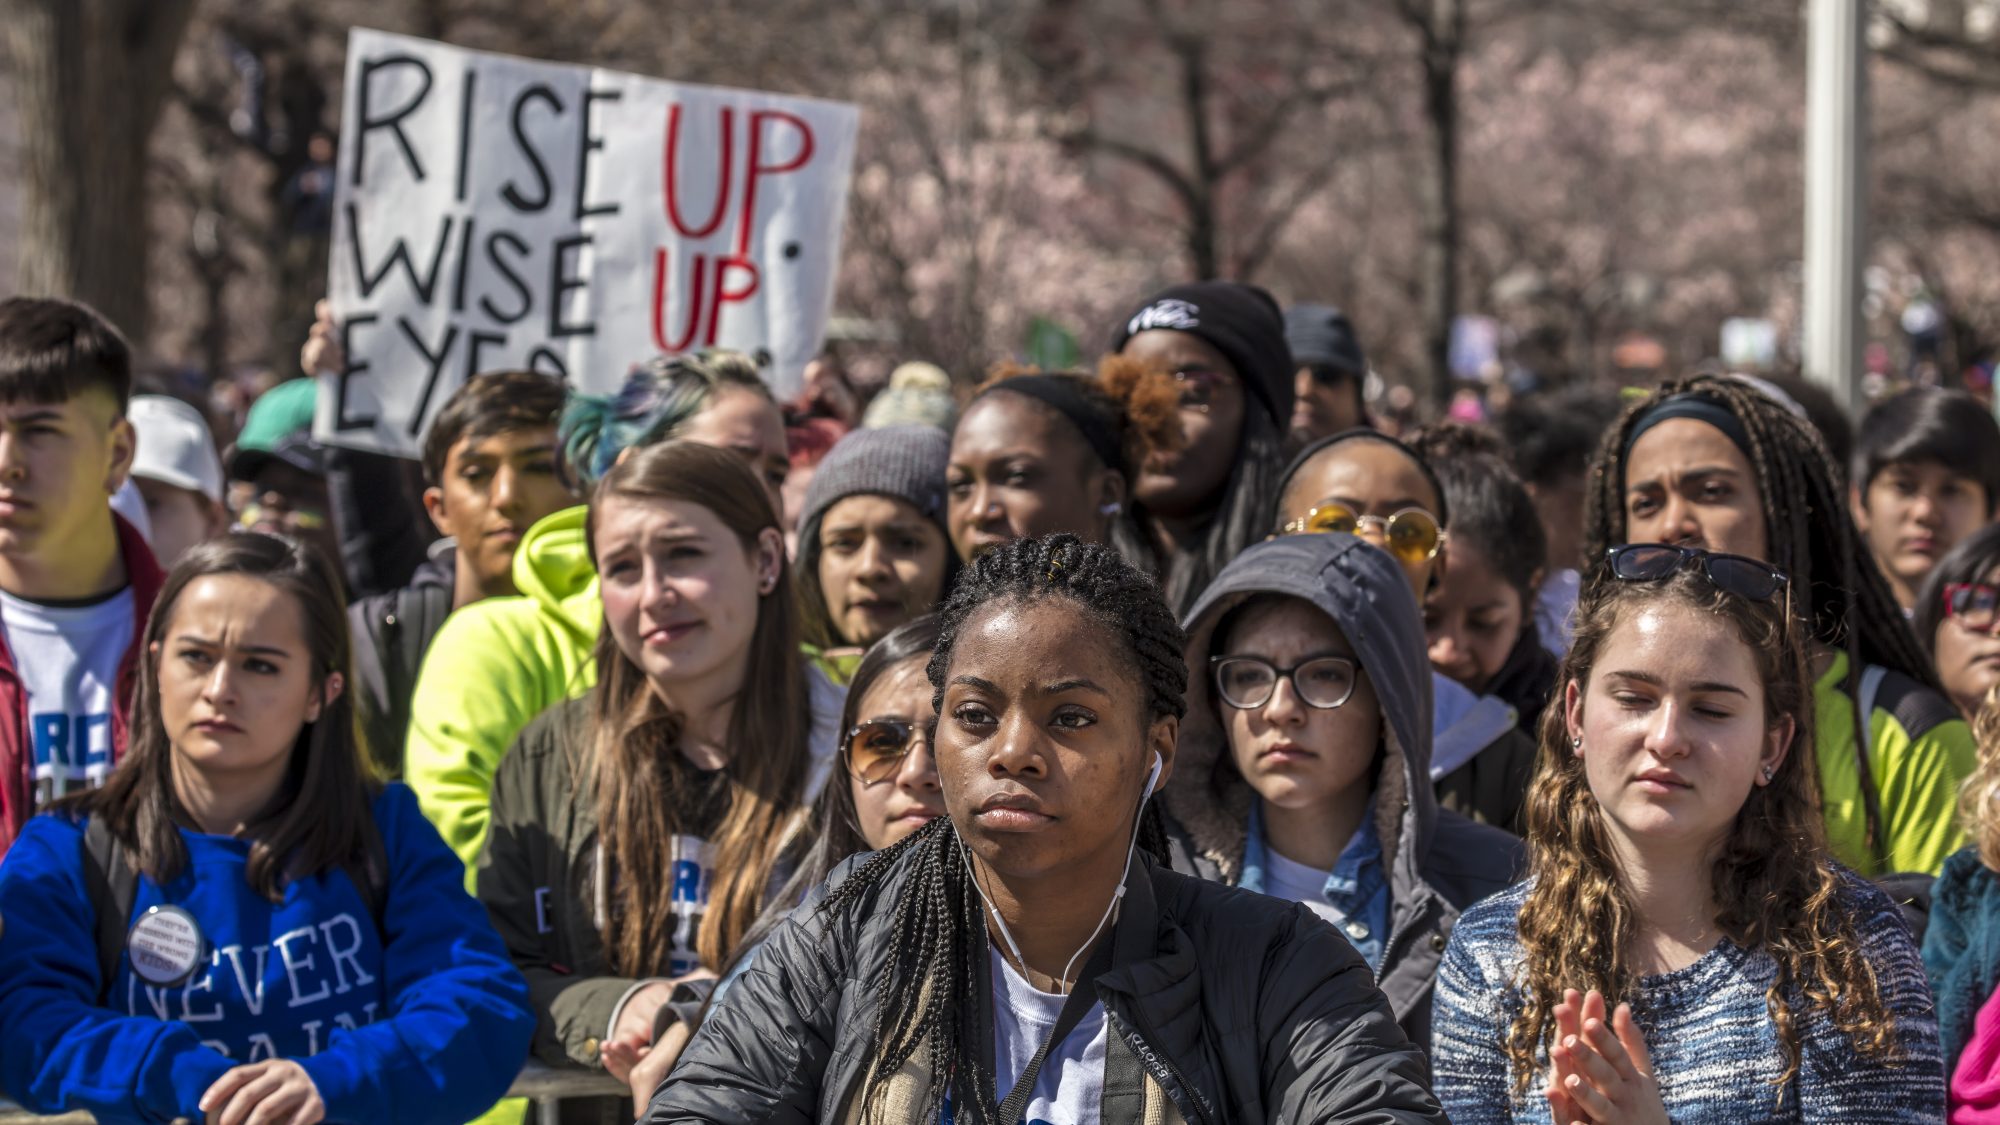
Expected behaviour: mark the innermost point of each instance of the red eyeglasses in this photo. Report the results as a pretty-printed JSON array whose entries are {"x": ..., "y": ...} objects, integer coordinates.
[{"x": 1974, "y": 605}]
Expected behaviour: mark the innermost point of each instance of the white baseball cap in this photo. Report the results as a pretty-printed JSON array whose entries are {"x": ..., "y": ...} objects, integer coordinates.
[{"x": 174, "y": 445}]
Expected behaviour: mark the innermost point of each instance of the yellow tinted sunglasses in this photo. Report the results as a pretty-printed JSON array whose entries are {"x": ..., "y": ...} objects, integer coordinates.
[{"x": 1412, "y": 535}]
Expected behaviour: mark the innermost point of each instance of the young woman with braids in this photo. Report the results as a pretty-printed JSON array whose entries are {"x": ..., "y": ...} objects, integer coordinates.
[
  {"x": 1036, "y": 453},
  {"x": 637, "y": 831},
  {"x": 1206, "y": 497},
  {"x": 1685, "y": 947},
  {"x": 1029, "y": 954},
  {"x": 1713, "y": 462}
]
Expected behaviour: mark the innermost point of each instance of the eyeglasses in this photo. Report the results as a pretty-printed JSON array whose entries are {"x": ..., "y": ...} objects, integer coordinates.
[
  {"x": 1736, "y": 574},
  {"x": 1974, "y": 605},
  {"x": 875, "y": 749},
  {"x": 1247, "y": 683},
  {"x": 1412, "y": 535}
]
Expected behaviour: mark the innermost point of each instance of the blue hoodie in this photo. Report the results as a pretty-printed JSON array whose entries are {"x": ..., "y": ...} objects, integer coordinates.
[{"x": 421, "y": 1020}]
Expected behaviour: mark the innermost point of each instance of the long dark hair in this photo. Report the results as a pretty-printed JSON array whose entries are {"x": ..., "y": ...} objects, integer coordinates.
[
  {"x": 937, "y": 954},
  {"x": 294, "y": 838},
  {"x": 634, "y": 734},
  {"x": 833, "y": 816},
  {"x": 1240, "y": 514}
]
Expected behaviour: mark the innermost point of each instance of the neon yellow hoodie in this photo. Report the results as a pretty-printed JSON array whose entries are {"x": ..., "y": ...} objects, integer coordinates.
[{"x": 496, "y": 665}]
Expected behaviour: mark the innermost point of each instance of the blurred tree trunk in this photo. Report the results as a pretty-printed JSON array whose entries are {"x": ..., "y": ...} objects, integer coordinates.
[
  {"x": 1440, "y": 29},
  {"x": 90, "y": 77}
]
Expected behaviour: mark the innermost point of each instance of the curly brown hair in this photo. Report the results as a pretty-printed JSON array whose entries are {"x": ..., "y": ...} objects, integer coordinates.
[
  {"x": 1141, "y": 403},
  {"x": 1776, "y": 887}
]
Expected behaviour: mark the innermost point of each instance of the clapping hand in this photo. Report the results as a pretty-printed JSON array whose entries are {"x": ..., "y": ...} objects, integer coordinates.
[{"x": 1600, "y": 1073}]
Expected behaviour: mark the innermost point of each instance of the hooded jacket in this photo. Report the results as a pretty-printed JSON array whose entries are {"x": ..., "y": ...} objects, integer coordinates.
[
  {"x": 1240, "y": 1009},
  {"x": 1437, "y": 862},
  {"x": 494, "y": 666},
  {"x": 17, "y": 800}
]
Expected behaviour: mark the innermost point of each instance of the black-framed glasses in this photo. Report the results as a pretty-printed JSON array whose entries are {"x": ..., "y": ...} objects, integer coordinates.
[
  {"x": 874, "y": 750},
  {"x": 1741, "y": 575},
  {"x": 1412, "y": 534},
  {"x": 1247, "y": 683},
  {"x": 1974, "y": 605}
]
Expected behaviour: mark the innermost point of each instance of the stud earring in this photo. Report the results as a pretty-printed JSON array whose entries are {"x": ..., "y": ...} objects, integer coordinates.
[
  {"x": 1576, "y": 744},
  {"x": 1769, "y": 772}
]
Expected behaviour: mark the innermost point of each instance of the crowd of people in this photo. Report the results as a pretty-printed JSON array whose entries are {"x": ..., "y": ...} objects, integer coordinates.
[{"x": 1154, "y": 741}]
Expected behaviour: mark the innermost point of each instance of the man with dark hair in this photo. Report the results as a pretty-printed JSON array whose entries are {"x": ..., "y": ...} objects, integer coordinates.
[
  {"x": 1926, "y": 474},
  {"x": 76, "y": 580},
  {"x": 1331, "y": 371},
  {"x": 490, "y": 469}
]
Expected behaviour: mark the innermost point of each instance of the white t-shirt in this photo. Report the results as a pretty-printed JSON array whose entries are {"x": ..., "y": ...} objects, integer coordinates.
[
  {"x": 67, "y": 658},
  {"x": 1069, "y": 1090},
  {"x": 1295, "y": 882}
]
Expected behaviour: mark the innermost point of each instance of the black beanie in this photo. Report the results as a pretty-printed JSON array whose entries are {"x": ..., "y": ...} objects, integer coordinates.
[
  {"x": 1321, "y": 336},
  {"x": 1240, "y": 321}
]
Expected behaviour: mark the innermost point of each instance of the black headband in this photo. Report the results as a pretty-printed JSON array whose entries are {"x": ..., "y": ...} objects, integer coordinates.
[
  {"x": 1693, "y": 405},
  {"x": 1060, "y": 394}
]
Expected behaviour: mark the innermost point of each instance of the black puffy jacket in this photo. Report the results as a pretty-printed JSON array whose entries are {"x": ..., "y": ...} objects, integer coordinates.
[{"x": 1243, "y": 1009}]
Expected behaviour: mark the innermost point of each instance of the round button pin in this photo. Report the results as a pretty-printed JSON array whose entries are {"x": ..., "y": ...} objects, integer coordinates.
[{"x": 165, "y": 946}]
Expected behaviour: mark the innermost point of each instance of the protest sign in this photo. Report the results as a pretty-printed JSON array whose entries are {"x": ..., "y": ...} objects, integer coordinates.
[{"x": 495, "y": 212}]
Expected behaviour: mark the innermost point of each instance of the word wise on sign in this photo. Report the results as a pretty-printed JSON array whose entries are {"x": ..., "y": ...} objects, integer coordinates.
[{"x": 494, "y": 212}]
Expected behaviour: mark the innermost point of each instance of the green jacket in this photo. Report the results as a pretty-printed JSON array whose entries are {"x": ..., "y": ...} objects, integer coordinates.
[
  {"x": 1919, "y": 752},
  {"x": 494, "y": 666}
]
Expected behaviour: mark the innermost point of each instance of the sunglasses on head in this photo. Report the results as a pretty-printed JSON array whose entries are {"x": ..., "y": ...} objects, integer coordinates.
[
  {"x": 1735, "y": 574},
  {"x": 1974, "y": 605},
  {"x": 875, "y": 749},
  {"x": 1412, "y": 535}
]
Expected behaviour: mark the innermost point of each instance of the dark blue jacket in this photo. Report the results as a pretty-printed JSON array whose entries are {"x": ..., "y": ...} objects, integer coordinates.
[
  {"x": 1962, "y": 947},
  {"x": 417, "y": 1018}
]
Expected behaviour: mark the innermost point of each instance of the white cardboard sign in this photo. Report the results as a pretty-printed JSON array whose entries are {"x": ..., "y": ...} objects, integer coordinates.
[{"x": 495, "y": 212}]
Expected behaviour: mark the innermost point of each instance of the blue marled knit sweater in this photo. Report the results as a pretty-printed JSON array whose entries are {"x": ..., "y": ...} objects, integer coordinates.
[{"x": 1713, "y": 1045}]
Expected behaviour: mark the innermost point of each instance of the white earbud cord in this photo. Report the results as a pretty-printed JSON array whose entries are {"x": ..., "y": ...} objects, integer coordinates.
[{"x": 1130, "y": 849}]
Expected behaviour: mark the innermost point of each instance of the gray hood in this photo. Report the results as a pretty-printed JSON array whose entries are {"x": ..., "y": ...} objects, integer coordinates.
[{"x": 1367, "y": 596}]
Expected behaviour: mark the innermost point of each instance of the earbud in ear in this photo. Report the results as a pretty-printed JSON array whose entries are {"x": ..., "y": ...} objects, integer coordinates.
[{"x": 1153, "y": 776}]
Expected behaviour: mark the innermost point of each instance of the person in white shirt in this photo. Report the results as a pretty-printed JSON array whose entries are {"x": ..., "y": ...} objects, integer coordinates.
[{"x": 76, "y": 579}]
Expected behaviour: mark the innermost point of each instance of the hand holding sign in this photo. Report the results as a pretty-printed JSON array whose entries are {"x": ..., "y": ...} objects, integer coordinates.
[{"x": 496, "y": 212}]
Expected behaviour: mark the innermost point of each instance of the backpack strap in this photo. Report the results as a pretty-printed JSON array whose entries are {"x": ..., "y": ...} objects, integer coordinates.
[
  {"x": 1864, "y": 746},
  {"x": 113, "y": 887}
]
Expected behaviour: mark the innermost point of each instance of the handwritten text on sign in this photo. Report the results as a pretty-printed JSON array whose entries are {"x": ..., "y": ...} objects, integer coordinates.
[{"x": 496, "y": 212}]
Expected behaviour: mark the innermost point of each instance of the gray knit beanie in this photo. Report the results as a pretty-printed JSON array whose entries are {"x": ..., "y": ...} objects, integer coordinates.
[{"x": 906, "y": 462}]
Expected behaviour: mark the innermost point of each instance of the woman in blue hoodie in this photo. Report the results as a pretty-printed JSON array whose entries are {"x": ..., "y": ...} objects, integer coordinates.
[
  {"x": 1304, "y": 762},
  {"x": 240, "y": 924}
]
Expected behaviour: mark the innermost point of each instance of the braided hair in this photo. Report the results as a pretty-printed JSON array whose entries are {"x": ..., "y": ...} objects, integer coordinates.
[
  {"x": 1811, "y": 537},
  {"x": 938, "y": 944}
]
